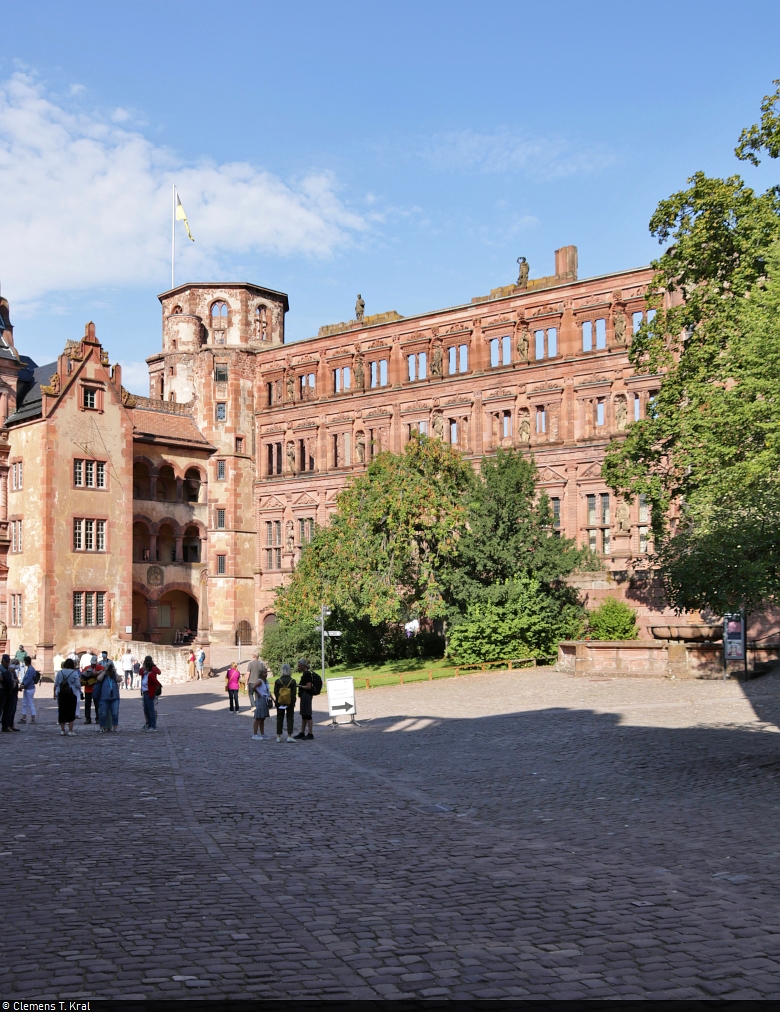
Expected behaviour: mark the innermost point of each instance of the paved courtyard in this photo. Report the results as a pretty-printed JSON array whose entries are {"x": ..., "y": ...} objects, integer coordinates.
[{"x": 512, "y": 835}]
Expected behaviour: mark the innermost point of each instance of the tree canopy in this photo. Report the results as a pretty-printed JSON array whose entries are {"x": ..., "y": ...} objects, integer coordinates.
[{"x": 710, "y": 446}]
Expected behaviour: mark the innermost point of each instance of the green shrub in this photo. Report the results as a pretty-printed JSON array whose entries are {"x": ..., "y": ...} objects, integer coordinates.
[{"x": 612, "y": 620}]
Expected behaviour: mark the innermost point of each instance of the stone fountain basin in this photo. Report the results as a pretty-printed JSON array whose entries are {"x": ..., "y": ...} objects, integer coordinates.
[{"x": 693, "y": 633}]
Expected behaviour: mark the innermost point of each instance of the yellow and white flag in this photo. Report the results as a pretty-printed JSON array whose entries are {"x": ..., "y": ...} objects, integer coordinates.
[{"x": 181, "y": 215}]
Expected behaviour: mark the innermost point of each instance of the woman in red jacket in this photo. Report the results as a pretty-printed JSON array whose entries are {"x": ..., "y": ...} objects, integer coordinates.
[{"x": 150, "y": 690}]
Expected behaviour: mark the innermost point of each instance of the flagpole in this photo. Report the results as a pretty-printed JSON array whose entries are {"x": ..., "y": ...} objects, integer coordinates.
[{"x": 173, "y": 234}]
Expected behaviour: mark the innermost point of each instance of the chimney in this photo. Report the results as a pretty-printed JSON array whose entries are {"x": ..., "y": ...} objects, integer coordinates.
[{"x": 566, "y": 263}]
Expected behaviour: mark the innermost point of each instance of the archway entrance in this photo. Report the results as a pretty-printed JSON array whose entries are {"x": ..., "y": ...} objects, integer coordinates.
[{"x": 177, "y": 612}]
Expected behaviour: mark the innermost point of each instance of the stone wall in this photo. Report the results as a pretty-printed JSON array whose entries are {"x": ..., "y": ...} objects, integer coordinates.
[{"x": 653, "y": 658}]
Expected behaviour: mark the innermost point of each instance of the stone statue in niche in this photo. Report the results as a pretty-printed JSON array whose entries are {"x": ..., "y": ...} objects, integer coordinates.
[
  {"x": 290, "y": 384},
  {"x": 438, "y": 425},
  {"x": 278, "y": 391},
  {"x": 289, "y": 537},
  {"x": 619, "y": 327},
  {"x": 3, "y": 631},
  {"x": 522, "y": 277},
  {"x": 553, "y": 425},
  {"x": 621, "y": 414},
  {"x": 623, "y": 517},
  {"x": 360, "y": 308},
  {"x": 496, "y": 430},
  {"x": 291, "y": 456},
  {"x": 436, "y": 359},
  {"x": 523, "y": 341},
  {"x": 360, "y": 448},
  {"x": 359, "y": 371},
  {"x": 524, "y": 426}
]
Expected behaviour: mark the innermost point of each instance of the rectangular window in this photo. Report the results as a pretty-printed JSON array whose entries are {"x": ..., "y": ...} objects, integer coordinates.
[
  {"x": 220, "y": 470},
  {"x": 556, "y": 511},
  {"x": 100, "y": 474},
  {"x": 221, "y": 565},
  {"x": 506, "y": 425},
  {"x": 270, "y": 452},
  {"x": 643, "y": 540},
  {"x": 494, "y": 350},
  {"x": 100, "y": 608},
  {"x": 374, "y": 374},
  {"x": 269, "y": 393},
  {"x": 601, "y": 334},
  {"x": 587, "y": 336},
  {"x": 650, "y": 315},
  {"x": 552, "y": 342},
  {"x": 164, "y": 616},
  {"x": 453, "y": 432},
  {"x": 600, "y": 412},
  {"x": 637, "y": 407},
  {"x": 346, "y": 377},
  {"x": 90, "y": 398},
  {"x": 305, "y": 529},
  {"x": 452, "y": 360},
  {"x": 593, "y": 540},
  {"x": 605, "y": 508},
  {"x": 539, "y": 341},
  {"x": 273, "y": 530},
  {"x": 463, "y": 358},
  {"x": 273, "y": 558},
  {"x": 424, "y": 428},
  {"x": 606, "y": 541},
  {"x": 16, "y": 609},
  {"x": 78, "y": 609},
  {"x": 412, "y": 363},
  {"x": 16, "y": 475},
  {"x": 221, "y": 412},
  {"x": 89, "y": 535},
  {"x": 16, "y": 535},
  {"x": 100, "y": 535},
  {"x": 636, "y": 320},
  {"x": 220, "y": 373},
  {"x": 650, "y": 408},
  {"x": 643, "y": 509},
  {"x": 506, "y": 350},
  {"x": 220, "y": 520},
  {"x": 383, "y": 372},
  {"x": 239, "y": 444},
  {"x": 591, "y": 499},
  {"x": 89, "y": 609},
  {"x": 89, "y": 473},
  {"x": 78, "y": 535},
  {"x": 336, "y": 451},
  {"x": 541, "y": 421},
  {"x": 78, "y": 472}
]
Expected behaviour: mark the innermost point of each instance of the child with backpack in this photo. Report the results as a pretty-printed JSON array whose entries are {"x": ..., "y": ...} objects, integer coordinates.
[
  {"x": 284, "y": 693},
  {"x": 309, "y": 685}
]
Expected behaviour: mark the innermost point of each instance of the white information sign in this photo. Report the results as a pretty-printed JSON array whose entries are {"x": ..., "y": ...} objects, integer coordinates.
[{"x": 341, "y": 697}]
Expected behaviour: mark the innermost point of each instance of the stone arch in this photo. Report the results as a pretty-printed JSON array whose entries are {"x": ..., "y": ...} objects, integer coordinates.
[
  {"x": 142, "y": 545},
  {"x": 193, "y": 483},
  {"x": 166, "y": 483},
  {"x": 243, "y": 633},
  {"x": 142, "y": 478}
]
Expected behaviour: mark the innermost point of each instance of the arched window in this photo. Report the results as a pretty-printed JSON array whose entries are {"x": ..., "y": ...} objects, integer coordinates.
[
  {"x": 166, "y": 484},
  {"x": 176, "y": 311},
  {"x": 192, "y": 485},
  {"x": 243, "y": 633},
  {"x": 219, "y": 312}
]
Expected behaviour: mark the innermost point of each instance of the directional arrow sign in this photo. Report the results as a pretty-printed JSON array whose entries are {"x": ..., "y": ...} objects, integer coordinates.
[
  {"x": 332, "y": 632},
  {"x": 341, "y": 696}
]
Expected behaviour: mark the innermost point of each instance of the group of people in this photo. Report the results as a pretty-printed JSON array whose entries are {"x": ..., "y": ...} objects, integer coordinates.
[
  {"x": 97, "y": 682},
  {"x": 286, "y": 692},
  {"x": 17, "y": 675}
]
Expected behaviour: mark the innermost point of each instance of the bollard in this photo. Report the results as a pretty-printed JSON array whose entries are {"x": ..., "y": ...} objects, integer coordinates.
[{"x": 430, "y": 675}]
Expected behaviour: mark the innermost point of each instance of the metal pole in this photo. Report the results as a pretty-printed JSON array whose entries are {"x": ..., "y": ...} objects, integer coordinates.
[
  {"x": 322, "y": 636},
  {"x": 173, "y": 235}
]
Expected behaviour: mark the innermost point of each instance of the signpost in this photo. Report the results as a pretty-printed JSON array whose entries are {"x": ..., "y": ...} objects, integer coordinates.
[
  {"x": 733, "y": 641},
  {"x": 341, "y": 699}
]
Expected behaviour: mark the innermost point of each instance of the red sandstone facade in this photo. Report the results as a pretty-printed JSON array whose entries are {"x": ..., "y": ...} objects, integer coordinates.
[{"x": 212, "y": 484}]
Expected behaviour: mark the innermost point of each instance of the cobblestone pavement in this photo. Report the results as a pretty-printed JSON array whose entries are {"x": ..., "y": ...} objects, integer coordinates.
[{"x": 514, "y": 835}]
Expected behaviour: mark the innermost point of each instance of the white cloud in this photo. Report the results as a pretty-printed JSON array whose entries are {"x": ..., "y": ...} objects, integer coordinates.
[
  {"x": 508, "y": 151},
  {"x": 86, "y": 203}
]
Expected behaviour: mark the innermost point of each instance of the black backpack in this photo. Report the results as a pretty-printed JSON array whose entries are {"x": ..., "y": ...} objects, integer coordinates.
[
  {"x": 36, "y": 678},
  {"x": 316, "y": 683}
]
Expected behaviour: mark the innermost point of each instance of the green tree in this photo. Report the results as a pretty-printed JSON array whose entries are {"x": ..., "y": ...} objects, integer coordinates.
[
  {"x": 509, "y": 533},
  {"x": 523, "y": 618},
  {"x": 612, "y": 620},
  {"x": 395, "y": 529},
  {"x": 708, "y": 454}
]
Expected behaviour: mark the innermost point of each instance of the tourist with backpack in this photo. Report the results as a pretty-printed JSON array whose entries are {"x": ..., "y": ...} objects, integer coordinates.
[
  {"x": 67, "y": 689},
  {"x": 284, "y": 694},
  {"x": 309, "y": 685},
  {"x": 200, "y": 660},
  {"x": 150, "y": 690},
  {"x": 89, "y": 677},
  {"x": 261, "y": 693},
  {"x": 107, "y": 693},
  {"x": 30, "y": 678}
]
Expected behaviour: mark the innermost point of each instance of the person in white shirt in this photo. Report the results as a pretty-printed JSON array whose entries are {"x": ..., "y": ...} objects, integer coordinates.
[{"x": 127, "y": 667}]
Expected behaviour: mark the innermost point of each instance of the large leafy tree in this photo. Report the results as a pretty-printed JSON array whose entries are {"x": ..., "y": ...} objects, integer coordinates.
[
  {"x": 709, "y": 448},
  {"x": 394, "y": 532}
]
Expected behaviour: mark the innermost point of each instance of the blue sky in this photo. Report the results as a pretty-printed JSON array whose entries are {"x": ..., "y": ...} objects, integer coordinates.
[{"x": 407, "y": 151}]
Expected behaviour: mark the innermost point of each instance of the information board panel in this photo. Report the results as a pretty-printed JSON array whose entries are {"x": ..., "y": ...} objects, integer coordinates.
[{"x": 341, "y": 696}]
